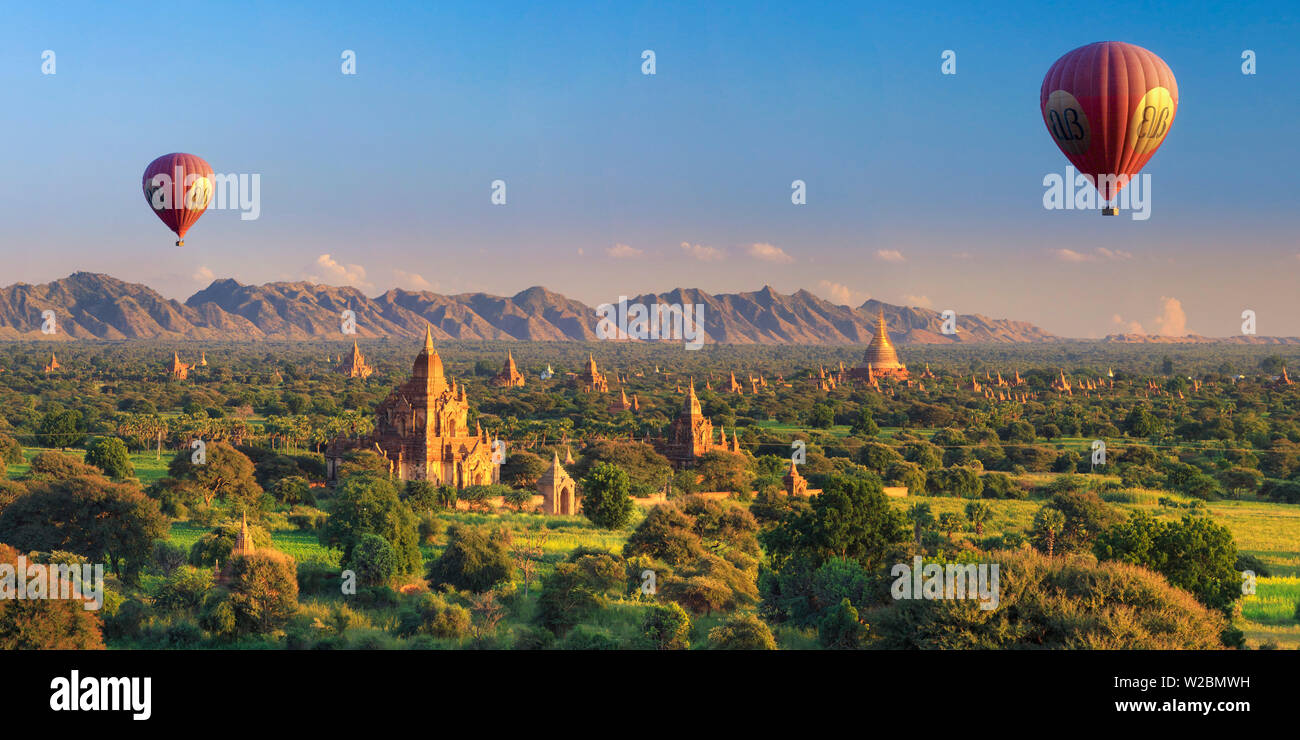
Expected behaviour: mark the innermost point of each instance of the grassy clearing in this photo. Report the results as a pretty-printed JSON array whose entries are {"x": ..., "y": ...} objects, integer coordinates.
[
  {"x": 1270, "y": 614},
  {"x": 302, "y": 546},
  {"x": 147, "y": 468}
]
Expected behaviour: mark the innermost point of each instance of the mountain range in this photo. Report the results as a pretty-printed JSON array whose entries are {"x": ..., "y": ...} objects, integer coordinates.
[{"x": 96, "y": 306}]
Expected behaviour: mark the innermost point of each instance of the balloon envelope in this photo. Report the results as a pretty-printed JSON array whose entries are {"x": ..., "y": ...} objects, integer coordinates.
[
  {"x": 1109, "y": 106},
  {"x": 178, "y": 188}
]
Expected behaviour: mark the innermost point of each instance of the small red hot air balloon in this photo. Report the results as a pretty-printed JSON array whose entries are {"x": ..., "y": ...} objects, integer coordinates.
[
  {"x": 178, "y": 188},
  {"x": 1109, "y": 106}
]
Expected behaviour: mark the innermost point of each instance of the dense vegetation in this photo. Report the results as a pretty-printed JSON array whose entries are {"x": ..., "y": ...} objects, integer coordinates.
[{"x": 1201, "y": 482}]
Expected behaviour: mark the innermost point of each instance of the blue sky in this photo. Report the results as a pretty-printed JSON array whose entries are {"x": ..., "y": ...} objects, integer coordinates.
[{"x": 923, "y": 189}]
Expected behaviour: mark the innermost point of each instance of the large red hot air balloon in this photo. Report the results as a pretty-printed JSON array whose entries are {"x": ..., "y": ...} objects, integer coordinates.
[
  {"x": 1109, "y": 106},
  {"x": 178, "y": 187}
]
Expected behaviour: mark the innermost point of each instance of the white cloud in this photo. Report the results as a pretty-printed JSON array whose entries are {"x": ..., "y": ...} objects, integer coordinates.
[
  {"x": 1101, "y": 254},
  {"x": 330, "y": 271},
  {"x": 1172, "y": 321},
  {"x": 203, "y": 275},
  {"x": 842, "y": 294},
  {"x": 411, "y": 280},
  {"x": 623, "y": 251},
  {"x": 703, "y": 253},
  {"x": 889, "y": 255},
  {"x": 1127, "y": 327},
  {"x": 918, "y": 300},
  {"x": 768, "y": 253}
]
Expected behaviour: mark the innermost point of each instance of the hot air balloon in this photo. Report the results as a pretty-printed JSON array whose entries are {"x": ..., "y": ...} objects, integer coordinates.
[
  {"x": 178, "y": 188},
  {"x": 1109, "y": 106}
]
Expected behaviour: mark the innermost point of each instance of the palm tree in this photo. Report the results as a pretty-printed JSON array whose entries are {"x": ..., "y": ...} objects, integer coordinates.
[
  {"x": 978, "y": 512},
  {"x": 948, "y": 521},
  {"x": 921, "y": 518},
  {"x": 1048, "y": 523}
]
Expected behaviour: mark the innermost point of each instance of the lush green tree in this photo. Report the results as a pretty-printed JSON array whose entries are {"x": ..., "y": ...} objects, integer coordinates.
[
  {"x": 293, "y": 489},
  {"x": 725, "y": 471},
  {"x": 956, "y": 481},
  {"x": 804, "y": 595},
  {"x": 374, "y": 561},
  {"x": 1241, "y": 480},
  {"x": 1019, "y": 432},
  {"x": 1085, "y": 513},
  {"x": 605, "y": 497},
  {"x": 263, "y": 591},
  {"x": 865, "y": 426},
  {"x": 1195, "y": 554},
  {"x": 911, "y": 475},
  {"x": 822, "y": 416},
  {"x": 879, "y": 457},
  {"x": 112, "y": 523},
  {"x": 1140, "y": 422},
  {"x": 646, "y": 469},
  {"x": 367, "y": 504},
  {"x": 518, "y": 498},
  {"x": 522, "y": 469},
  {"x": 666, "y": 534},
  {"x": 110, "y": 455},
  {"x": 475, "y": 560},
  {"x": 223, "y": 473},
  {"x": 421, "y": 496},
  {"x": 851, "y": 518},
  {"x": 928, "y": 456},
  {"x": 62, "y": 428}
]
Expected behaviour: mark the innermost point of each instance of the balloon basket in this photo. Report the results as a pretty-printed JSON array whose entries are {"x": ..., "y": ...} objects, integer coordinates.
[
  {"x": 1111, "y": 211},
  {"x": 180, "y": 243}
]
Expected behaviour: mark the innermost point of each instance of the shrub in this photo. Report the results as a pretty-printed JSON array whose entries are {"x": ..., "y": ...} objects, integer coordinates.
[
  {"x": 430, "y": 614},
  {"x": 586, "y": 637},
  {"x": 184, "y": 590},
  {"x": 667, "y": 627},
  {"x": 1061, "y": 603},
  {"x": 59, "y": 466},
  {"x": 841, "y": 629},
  {"x": 473, "y": 561},
  {"x": 10, "y": 451},
  {"x": 183, "y": 635},
  {"x": 742, "y": 632}
]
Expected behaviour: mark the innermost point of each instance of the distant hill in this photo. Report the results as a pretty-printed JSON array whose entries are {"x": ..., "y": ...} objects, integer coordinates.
[
  {"x": 91, "y": 305},
  {"x": 1196, "y": 339}
]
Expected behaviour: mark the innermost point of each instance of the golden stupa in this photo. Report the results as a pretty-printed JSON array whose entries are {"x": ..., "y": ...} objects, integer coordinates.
[{"x": 881, "y": 358}]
